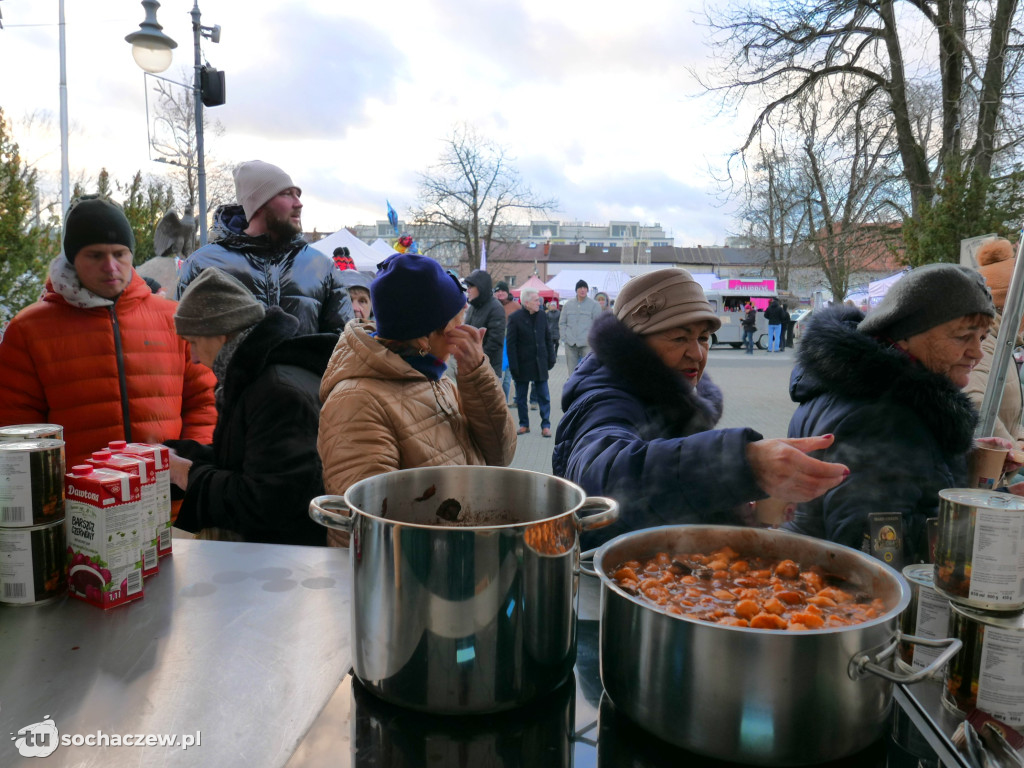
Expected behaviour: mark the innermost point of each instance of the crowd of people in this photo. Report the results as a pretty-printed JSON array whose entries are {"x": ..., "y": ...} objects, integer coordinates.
[{"x": 279, "y": 374}]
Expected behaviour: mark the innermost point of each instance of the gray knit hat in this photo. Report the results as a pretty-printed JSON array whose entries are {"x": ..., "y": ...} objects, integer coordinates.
[
  {"x": 256, "y": 182},
  {"x": 216, "y": 304},
  {"x": 926, "y": 297}
]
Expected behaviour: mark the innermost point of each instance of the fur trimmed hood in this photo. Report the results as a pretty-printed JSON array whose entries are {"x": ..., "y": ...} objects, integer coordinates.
[
  {"x": 621, "y": 359},
  {"x": 835, "y": 358}
]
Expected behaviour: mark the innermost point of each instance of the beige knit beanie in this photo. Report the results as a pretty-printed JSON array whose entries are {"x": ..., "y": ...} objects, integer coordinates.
[
  {"x": 216, "y": 304},
  {"x": 666, "y": 298},
  {"x": 256, "y": 182},
  {"x": 995, "y": 263}
]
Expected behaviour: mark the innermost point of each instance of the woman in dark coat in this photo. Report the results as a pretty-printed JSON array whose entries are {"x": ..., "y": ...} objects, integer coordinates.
[
  {"x": 889, "y": 388},
  {"x": 255, "y": 482},
  {"x": 640, "y": 415},
  {"x": 531, "y": 354},
  {"x": 485, "y": 311}
]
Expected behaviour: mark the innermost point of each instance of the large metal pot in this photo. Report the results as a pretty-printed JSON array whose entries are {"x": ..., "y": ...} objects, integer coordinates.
[
  {"x": 470, "y": 619},
  {"x": 753, "y": 696}
]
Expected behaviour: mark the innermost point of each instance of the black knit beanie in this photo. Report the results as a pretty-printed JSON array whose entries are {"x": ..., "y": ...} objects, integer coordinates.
[{"x": 94, "y": 220}]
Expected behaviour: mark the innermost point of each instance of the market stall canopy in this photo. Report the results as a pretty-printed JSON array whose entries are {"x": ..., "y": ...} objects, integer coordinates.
[
  {"x": 383, "y": 247},
  {"x": 878, "y": 288},
  {"x": 599, "y": 280},
  {"x": 365, "y": 257},
  {"x": 538, "y": 285}
]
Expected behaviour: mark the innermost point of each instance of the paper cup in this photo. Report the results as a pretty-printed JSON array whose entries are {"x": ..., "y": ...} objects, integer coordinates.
[{"x": 986, "y": 466}]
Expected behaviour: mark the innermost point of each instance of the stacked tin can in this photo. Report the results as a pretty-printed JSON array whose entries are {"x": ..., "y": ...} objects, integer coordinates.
[
  {"x": 979, "y": 567},
  {"x": 32, "y": 541}
]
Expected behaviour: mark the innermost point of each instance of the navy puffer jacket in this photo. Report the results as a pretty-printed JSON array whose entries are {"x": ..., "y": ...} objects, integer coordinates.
[
  {"x": 903, "y": 431},
  {"x": 637, "y": 431},
  {"x": 294, "y": 276}
]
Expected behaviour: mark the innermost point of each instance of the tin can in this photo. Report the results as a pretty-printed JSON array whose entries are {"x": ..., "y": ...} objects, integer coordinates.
[
  {"x": 987, "y": 673},
  {"x": 979, "y": 556},
  {"x": 31, "y": 482},
  {"x": 927, "y": 616},
  {"x": 33, "y": 566},
  {"x": 31, "y": 432}
]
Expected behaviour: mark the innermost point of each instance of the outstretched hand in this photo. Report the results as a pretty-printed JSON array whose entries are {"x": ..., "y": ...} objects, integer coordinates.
[
  {"x": 466, "y": 344},
  {"x": 783, "y": 469}
]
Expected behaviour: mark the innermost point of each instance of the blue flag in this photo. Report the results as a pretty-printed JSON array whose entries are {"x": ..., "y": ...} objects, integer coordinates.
[{"x": 392, "y": 217}]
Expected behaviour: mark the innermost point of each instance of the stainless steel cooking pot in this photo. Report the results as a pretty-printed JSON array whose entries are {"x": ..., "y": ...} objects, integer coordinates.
[
  {"x": 754, "y": 696},
  {"x": 464, "y": 583}
]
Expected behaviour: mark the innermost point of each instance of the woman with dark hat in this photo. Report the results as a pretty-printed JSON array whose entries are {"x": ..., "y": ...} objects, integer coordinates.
[
  {"x": 888, "y": 387},
  {"x": 388, "y": 404},
  {"x": 640, "y": 415}
]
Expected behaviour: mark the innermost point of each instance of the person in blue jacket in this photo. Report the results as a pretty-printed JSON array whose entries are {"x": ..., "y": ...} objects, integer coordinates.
[{"x": 639, "y": 418}]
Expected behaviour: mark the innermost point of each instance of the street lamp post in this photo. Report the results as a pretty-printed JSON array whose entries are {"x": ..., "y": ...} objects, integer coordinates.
[{"x": 151, "y": 49}]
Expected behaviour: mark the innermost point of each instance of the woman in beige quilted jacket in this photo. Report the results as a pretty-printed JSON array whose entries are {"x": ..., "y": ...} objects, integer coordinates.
[{"x": 387, "y": 403}]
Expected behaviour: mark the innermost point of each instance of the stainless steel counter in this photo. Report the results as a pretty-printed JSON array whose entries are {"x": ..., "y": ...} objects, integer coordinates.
[{"x": 243, "y": 643}]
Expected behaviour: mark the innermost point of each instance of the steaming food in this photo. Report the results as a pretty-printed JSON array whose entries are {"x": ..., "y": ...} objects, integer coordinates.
[{"x": 762, "y": 593}]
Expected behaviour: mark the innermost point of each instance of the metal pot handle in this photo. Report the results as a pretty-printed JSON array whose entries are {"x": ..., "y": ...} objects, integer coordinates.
[
  {"x": 863, "y": 663},
  {"x": 586, "y": 565},
  {"x": 605, "y": 512},
  {"x": 324, "y": 509}
]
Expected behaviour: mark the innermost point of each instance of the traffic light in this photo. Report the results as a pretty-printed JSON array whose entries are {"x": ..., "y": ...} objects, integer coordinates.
[{"x": 212, "y": 86}]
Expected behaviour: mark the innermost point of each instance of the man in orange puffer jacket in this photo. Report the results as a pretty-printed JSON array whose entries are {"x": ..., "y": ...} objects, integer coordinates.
[{"x": 98, "y": 354}]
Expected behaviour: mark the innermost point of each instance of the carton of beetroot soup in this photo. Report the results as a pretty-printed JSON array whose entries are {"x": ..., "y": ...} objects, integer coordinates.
[{"x": 103, "y": 527}]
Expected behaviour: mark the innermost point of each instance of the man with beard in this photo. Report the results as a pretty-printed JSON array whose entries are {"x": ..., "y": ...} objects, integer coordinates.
[{"x": 259, "y": 242}]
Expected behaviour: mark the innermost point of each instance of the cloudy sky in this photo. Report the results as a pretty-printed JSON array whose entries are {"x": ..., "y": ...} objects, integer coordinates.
[{"x": 594, "y": 100}]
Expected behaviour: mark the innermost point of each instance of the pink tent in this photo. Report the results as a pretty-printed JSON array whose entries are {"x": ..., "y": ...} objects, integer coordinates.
[{"x": 538, "y": 285}]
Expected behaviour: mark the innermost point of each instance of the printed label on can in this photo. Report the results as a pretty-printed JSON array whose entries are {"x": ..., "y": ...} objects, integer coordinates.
[
  {"x": 1001, "y": 679},
  {"x": 15, "y": 489},
  {"x": 31, "y": 564},
  {"x": 932, "y": 623},
  {"x": 997, "y": 560}
]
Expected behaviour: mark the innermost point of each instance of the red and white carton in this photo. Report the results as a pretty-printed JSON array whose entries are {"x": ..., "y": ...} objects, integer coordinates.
[
  {"x": 161, "y": 456},
  {"x": 102, "y": 526},
  {"x": 148, "y": 518}
]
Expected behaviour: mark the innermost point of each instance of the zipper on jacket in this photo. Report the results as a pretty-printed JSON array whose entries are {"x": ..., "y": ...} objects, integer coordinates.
[{"x": 121, "y": 378}]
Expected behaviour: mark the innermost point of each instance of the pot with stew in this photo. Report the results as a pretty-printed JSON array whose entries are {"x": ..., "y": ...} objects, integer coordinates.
[{"x": 751, "y": 645}]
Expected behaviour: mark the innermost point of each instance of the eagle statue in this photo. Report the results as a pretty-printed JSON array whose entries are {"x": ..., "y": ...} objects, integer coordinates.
[{"x": 174, "y": 236}]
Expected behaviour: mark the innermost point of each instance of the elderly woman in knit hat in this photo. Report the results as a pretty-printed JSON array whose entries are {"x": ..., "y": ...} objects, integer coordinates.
[
  {"x": 995, "y": 263},
  {"x": 889, "y": 387},
  {"x": 388, "y": 404},
  {"x": 640, "y": 416},
  {"x": 255, "y": 482}
]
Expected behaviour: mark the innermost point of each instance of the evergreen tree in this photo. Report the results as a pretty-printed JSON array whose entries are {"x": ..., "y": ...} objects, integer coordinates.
[
  {"x": 27, "y": 243},
  {"x": 143, "y": 207}
]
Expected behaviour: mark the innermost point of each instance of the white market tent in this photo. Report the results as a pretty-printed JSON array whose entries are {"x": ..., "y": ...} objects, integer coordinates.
[
  {"x": 383, "y": 247},
  {"x": 878, "y": 288},
  {"x": 365, "y": 257},
  {"x": 608, "y": 281}
]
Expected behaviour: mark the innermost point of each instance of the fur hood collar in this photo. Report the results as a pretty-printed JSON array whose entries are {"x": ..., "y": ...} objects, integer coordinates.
[
  {"x": 228, "y": 230},
  {"x": 835, "y": 358},
  {"x": 622, "y": 360}
]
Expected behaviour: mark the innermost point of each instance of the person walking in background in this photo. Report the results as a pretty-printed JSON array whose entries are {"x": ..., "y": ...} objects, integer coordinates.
[
  {"x": 259, "y": 241},
  {"x": 776, "y": 317},
  {"x": 749, "y": 324},
  {"x": 789, "y": 328},
  {"x": 510, "y": 305},
  {"x": 602, "y": 301},
  {"x": 485, "y": 311},
  {"x": 254, "y": 482},
  {"x": 530, "y": 357},
  {"x": 553, "y": 313},
  {"x": 577, "y": 316},
  {"x": 98, "y": 354}
]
